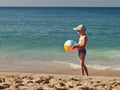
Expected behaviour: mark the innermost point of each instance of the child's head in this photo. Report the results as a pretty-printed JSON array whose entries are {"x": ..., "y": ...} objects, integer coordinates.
[{"x": 80, "y": 28}]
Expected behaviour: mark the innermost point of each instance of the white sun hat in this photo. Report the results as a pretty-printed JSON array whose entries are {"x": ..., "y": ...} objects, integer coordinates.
[{"x": 80, "y": 28}]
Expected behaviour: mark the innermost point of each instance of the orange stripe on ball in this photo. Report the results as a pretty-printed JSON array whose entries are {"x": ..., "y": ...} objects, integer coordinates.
[{"x": 67, "y": 48}]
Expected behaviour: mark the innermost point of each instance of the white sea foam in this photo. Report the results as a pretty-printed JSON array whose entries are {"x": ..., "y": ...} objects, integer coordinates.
[{"x": 100, "y": 67}]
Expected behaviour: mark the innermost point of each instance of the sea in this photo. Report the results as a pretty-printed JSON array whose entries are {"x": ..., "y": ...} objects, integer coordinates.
[{"x": 32, "y": 38}]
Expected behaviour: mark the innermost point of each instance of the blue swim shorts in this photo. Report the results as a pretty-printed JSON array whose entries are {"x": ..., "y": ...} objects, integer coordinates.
[{"x": 83, "y": 50}]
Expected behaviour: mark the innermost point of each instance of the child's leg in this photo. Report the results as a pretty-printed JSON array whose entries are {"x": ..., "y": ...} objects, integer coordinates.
[
  {"x": 81, "y": 64},
  {"x": 83, "y": 67}
]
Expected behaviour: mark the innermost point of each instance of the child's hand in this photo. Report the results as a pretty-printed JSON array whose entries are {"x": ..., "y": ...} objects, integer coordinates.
[{"x": 75, "y": 46}]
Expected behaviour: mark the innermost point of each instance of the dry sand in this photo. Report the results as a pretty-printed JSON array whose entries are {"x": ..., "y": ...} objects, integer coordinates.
[{"x": 30, "y": 81}]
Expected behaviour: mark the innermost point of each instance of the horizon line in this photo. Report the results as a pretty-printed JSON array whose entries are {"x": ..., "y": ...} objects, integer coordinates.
[{"x": 69, "y": 6}]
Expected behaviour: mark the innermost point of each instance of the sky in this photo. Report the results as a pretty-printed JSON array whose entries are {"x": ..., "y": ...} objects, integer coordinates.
[{"x": 61, "y": 3}]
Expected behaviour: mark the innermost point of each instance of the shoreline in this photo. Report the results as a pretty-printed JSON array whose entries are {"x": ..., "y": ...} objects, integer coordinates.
[
  {"x": 32, "y": 81},
  {"x": 65, "y": 71}
]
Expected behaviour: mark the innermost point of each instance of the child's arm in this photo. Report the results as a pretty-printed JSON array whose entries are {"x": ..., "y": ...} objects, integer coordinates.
[{"x": 81, "y": 44}]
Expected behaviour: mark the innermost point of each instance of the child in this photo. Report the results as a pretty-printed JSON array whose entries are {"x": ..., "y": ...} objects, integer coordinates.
[{"x": 81, "y": 47}]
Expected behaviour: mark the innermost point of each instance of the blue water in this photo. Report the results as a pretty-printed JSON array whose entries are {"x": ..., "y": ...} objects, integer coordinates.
[{"x": 37, "y": 35}]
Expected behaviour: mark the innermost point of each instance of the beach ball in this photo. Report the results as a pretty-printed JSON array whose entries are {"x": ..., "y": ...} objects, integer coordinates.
[{"x": 68, "y": 46}]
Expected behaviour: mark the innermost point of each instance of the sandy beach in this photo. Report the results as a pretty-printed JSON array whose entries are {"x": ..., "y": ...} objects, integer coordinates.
[
  {"x": 32, "y": 55},
  {"x": 32, "y": 81}
]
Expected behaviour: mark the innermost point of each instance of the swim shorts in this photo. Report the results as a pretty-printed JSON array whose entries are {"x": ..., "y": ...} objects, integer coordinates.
[{"x": 82, "y": 51}]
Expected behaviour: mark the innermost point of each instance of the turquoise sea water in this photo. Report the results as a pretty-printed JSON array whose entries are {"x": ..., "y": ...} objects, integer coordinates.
[{"x": 35, "y": 36}]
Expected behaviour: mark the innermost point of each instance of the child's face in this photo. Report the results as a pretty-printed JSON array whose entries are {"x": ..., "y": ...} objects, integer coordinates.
[{"x": 80, "y": 33}]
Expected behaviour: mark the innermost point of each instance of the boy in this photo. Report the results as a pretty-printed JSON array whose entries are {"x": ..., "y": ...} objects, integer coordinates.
[{"x": 81, "y": 47}]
